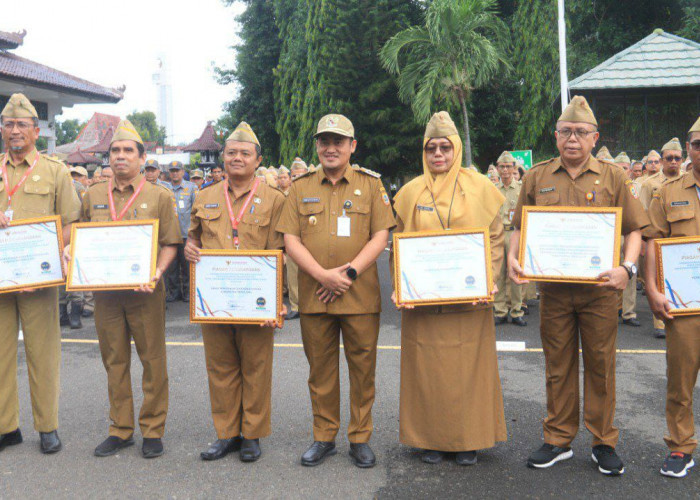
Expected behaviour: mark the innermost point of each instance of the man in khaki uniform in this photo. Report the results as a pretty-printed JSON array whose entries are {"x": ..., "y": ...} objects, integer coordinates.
[
  {"x": 121, "y": 316},
  {"x": 31, "y": 185},
  {"x": 297, "y": 168},
  {"x": 604, "y": 154},
  {"x": 510, "y": 188},
  {"x": 674, "y": 212},
  {"x": 336, "y": 223},
  {"x": 570, "y": 312},
  {"x": 623, "y": 161},
  {"x": 238, "y": 357}
]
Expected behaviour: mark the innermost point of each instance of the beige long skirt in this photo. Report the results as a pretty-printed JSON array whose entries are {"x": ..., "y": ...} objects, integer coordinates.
[{"x": 451, "y": 396}]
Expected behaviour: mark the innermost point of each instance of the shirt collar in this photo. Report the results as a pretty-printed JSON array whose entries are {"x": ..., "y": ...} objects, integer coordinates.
[
  {"x": 134, "y": 183},
  {"x": 29, "y": 159},
  {"x": 591, "y": 164},
  {"x": 689, "y": 180},
  {"x": 250, "y": 186},
  {"x": 347, "y": 176}
]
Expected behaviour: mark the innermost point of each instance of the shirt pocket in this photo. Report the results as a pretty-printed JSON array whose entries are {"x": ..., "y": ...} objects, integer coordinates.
[
  {"x": 682, "y": 221},
  {"x": 36, "y": 197},
  {"x": 311, "y": 218},
  {"x": 547, "y": 199},
  {"x": 603, "y": 198},
  {"x": 359, "y": 219},
  {"x": 211, "y": 220}
]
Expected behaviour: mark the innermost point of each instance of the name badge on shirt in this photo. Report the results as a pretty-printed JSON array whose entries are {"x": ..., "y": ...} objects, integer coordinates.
[
  {"x": 9, "y": 213},
  {"x": 212, "y": 205},
  {"x": 100, "y": 207},
  {"x": 181, "y": 204},
  {"x": 311, "y": 200},
  {"x": 546, "y": 190},
  {"x": 680, "y": 203},
  {"x": 424, "y": 208},
  {"x": 344, "y": 226}
]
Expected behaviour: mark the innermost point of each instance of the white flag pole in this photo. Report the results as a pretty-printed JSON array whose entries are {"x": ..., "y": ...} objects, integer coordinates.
[{"x": 563, "y": 78}]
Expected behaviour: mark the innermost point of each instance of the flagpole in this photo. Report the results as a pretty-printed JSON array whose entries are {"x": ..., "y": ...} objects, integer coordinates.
[{"x": 563, "y": 78}]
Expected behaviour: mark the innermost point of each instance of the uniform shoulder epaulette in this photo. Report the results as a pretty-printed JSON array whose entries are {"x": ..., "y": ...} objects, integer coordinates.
[
  {"x": 369, "y": 172},
  {"x": 545, "y": 162},
  {"x": 607, "y": 162},
  {"x": 206, "y": 187},
  {"x": 159, "y": 186},
  {"x": 305, "y": 174}
]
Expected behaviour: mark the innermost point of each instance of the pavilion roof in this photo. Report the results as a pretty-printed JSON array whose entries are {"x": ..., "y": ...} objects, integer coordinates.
[
  {"x": 206, "y": 141},
  {"x": 659, "y": 60},
  {"x": 81, "y": 158},
  {"x": 11, "y": 40},
  {"x": 103, "y": 145}
]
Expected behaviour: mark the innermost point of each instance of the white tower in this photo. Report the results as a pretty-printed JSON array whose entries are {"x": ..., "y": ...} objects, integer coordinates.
[{"x": 164, "y": 97}]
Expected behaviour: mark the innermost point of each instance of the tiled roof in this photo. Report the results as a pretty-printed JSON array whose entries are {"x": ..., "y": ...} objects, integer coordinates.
[
  {"x": 659, "y": 60},
  {"x": 11, "y": 40},
  {"x": 23, "y": 70},
  {"x": 206, "y": 141},
  {"x": 80, "y": 158},
  {"x": 92, "y": 133},
  {"x": 103, "y": 145}
]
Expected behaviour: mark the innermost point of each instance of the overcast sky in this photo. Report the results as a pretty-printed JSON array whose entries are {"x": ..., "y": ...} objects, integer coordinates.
[{"x": 118, "y": 43}]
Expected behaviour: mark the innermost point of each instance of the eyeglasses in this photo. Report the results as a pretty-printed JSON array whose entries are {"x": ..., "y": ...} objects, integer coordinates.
[
  {"x": 695, "y": 145},
  {"x": 673, "y": 158},
  {"x": 22, "y": 126},
  {"x": 579, "y": 132},
  {"x": 444, "y": 148}
]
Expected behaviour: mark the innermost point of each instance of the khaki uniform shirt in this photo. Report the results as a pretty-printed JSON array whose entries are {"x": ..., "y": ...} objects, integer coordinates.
[
  {"x": 210, "y": 222},
  {"x": 650, "y": 186},
  {"x": 311, "y": 212},
  {"x": 549, "y": 184},
  {"x": 511, "y": 192},
  {"x": 154, "y": 202},
  {"x": 47, "y": 191},
  {"x": 675, "y": 209}
]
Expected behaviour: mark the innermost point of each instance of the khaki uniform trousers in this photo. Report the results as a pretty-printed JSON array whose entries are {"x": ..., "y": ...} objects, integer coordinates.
[
  {"x": 629, "y": 294},
  {"x": 239, "y": 368},
  {"x": 569, "y": 312},
  {"x": 515, "y": 297},
  {"x": 682, "y": 364},
  {"x": 321, "y": 336},
  {"x": 119, "y": 317},
  {"x": 293, "y": 284},
  {"x": 38, "y": 312}
]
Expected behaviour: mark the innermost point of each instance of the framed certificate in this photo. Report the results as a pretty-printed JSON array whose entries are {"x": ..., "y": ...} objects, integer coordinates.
[
  {"x": 569, "y": 244},
  {"x": 442, "y": 267},
  {"x": 678, "y": 273},
  {"x": 237, "y": 287},
  {"x": 112, "y": 255},
  {"x": 30, "y": 254}
]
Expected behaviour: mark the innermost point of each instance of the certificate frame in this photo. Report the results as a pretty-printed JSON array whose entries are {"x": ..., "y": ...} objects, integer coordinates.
[
  {"x": 55, "y": 219},
  {"x": 530, "y": 210},
  {"x": 396, "y": 270},
  {"x": 231, "y": 320},
  {"x": 660, "y": 244},
  {"x": 70, "y": 286}
]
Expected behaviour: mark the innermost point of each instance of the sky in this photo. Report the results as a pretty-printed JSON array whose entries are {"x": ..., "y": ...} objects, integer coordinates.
[{"x": 118, "y": 43}]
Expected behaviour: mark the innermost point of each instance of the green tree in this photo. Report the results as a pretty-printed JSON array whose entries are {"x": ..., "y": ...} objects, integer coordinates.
[
  {"x": 461, "y": 47},
  {"x": 147, "y": 126},
  {"x": 68, "y": 130},
  {"x": 256, "y": 57}
]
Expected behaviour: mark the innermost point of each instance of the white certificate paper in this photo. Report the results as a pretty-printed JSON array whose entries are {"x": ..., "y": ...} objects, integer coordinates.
[
  {"x": 679, "y": 275},
  {"x": 569, "y": 244},
  {"x": 30, "y": 254},
  {"x": 112, "y": 256},
  {"x": 236, "y": 287},
  {"x": 451, "y": 267}
]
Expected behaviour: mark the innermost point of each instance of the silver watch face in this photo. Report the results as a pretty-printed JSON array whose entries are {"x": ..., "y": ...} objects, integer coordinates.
[{"x": 633, "y": 268}]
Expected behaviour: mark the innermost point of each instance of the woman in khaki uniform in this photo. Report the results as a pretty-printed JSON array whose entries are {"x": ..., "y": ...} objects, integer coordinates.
[{"x": 450, "y": 390}]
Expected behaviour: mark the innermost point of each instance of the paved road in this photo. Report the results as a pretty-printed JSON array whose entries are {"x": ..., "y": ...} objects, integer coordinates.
[{"x": 501, "y": 472}]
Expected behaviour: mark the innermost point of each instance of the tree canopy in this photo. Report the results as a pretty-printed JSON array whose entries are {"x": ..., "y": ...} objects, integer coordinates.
[{"x": 147, "y": 126}]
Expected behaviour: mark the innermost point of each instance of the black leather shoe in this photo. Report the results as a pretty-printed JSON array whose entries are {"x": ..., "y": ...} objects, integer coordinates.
[
  {"x": 519, "y": 321},
  {"x": 631, "y": 322},
  {"x": 466, "y": 458},
  {"x": 10, "y": 439},
  {"x": 87, "y": 313},
  {"x": 172, "y": 298},
  {"x": 74, "y": 317},
  {"x": 526, "y": 310},
  {"x": 362, "y": 455},
  {"x": 659, "y": 333},
  {"x": 317, "y": 452},
  {"x": 63, "y": 318},
  {"x": 432, "y": 457},
  {"x": 112, "y": 445},
  {"x": 250, "y": 450},
  {"x": 499, "y": 320},
  {"x": 292, "y": 315},
  {"x": 50, "y": 442},
  {"x": 221, "y": 447},
  {"x": 152, "y": 447}
]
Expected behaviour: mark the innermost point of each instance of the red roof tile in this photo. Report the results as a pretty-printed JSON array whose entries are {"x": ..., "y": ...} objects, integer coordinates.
[
  {"x": 206, "y": 141},
  {"x": 103, "y": 145},
  {"x": 11, "y": 40},
  {"x": 81, "y": 158}
]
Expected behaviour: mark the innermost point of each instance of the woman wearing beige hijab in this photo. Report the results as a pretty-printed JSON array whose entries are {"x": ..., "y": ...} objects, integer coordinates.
[{"x": 451, "y": 397}]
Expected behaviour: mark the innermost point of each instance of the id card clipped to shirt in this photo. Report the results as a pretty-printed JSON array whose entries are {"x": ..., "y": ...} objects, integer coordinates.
[{"x": 344, "y": 226}]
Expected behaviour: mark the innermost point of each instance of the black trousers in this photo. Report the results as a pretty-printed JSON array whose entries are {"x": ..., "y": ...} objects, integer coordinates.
[{"x": 177, "y": 277}]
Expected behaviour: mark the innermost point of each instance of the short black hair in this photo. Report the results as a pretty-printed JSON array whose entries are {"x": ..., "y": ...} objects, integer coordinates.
[{"x": 216, "y": 166}]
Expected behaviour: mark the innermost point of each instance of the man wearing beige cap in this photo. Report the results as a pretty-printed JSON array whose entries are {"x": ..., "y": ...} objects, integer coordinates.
[
  {"x": 121, "y": 316},
  {"x": 197, "y": 178},
  {"x": 573, "y": 313},
  {"x": 31, "y": 185},
  {"x": 336, "y": 222},
  {"x": 674, "y": 212},
  {"x": 623, "y": 161}
]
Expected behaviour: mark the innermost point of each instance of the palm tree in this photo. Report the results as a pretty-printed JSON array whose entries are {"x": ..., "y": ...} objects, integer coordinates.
[{"x": 462, "y": 46}]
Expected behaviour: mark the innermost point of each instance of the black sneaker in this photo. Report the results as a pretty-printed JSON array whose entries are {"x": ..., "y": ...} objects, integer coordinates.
[
  {"x": 608, "y": 461},
  {"x": 677, "y": 464},
  {"x": 548, "y": 455}
]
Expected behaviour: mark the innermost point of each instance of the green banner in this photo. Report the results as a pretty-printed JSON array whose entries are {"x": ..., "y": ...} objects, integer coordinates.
[{"x": 524, "y": 158}]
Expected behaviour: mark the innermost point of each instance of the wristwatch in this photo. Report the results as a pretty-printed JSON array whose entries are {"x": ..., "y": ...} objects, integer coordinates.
[
  {"x": 352, "y": 273},
  {"x": 630, "y": 268}
]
